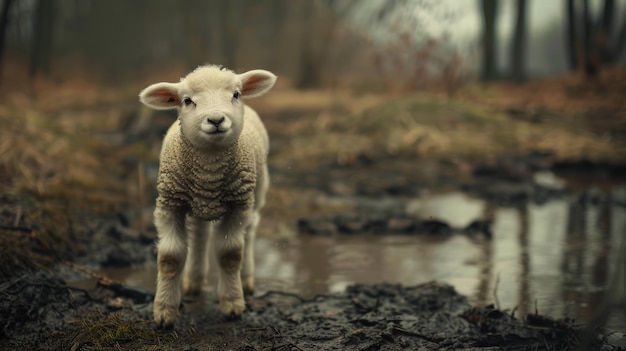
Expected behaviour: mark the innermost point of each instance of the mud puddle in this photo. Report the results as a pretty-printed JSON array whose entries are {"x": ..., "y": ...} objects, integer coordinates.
[{"x": 556, "y": 258}]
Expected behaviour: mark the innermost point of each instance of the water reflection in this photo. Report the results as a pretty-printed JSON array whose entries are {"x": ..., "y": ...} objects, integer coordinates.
[{"x": 555, "y": 257}]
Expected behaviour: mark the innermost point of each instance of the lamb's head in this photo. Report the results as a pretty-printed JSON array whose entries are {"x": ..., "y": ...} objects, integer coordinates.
[{"x": 209, "y": 102}]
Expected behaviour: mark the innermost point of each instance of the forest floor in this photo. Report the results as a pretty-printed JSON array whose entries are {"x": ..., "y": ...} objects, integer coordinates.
[{"x": 77, "y": 166}]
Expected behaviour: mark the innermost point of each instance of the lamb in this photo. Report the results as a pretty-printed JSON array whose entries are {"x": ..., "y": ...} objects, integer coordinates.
[{"x": 211, "y": 185}]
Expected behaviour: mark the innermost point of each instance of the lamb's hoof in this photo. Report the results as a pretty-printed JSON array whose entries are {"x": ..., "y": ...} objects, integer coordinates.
[
  {"x": 192, "y": 290},
  {"x": 163, "y": 326},
  {"x": 248, "y": 286},
  {"x": 165, "y": 315},
  {"x": 232, "y": 308},
  {"x": 232, "y": 318}
]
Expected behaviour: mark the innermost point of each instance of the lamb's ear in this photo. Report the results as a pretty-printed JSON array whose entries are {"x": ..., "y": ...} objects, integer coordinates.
[
  {"x": 256, "y": 82},
  {"x": 161, "y": 96}
]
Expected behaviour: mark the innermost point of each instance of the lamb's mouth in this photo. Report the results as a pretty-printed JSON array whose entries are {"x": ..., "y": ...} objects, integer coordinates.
[{"x": 215, "y": 131}]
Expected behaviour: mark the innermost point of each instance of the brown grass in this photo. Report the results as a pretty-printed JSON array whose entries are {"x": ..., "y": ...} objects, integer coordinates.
[
  {"x": 429, "y": 126},
  {"x": 114, "y": 332},
  {"x": 53, "y": 157},
  {"x": 54, "y": 170}
]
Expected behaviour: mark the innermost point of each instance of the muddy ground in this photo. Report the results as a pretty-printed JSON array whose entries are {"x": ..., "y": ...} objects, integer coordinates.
[
  {"x": 40, "y": 311},
  {"x": 62, "y": 221}
]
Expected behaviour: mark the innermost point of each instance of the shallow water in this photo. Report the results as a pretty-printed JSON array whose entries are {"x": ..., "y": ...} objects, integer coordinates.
[{"x": 557, "y": 258}]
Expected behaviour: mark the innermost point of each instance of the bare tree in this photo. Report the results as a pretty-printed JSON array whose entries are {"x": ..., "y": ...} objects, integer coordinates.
[
  {"x": 620, "y": 42},
  {"x": 274, "y": 23},
  {"x": 489, "y": 64},
  {"x": 4, "y": 23},
  {"x": 518, "y": 52},
  {"x": 43, "y": 29},
  {"x": 572, "y": 37},
  {"x": 408, "y": 51},
  {"x": 315, "y": 42},
  {"x": 590, "y": 62},
  {"x": 230, "y": 13},
  {"x": 603, "y": 36},
  {"x": 195, "y": 32},
  {"x": 589, "y": 44}
]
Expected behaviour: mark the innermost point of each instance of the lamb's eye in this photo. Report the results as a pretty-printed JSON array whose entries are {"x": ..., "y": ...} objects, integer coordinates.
[
  {"x": 187, "y": 101},
  {"x": 236, "y": 95}
]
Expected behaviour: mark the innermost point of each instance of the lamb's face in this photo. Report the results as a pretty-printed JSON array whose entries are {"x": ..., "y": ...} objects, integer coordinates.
[
  {"x": 211, "y": 112},
  {"x": 209, "y": 102}
]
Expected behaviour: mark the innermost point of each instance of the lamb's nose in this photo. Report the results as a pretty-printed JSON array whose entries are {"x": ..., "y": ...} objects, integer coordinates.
[{"x": 215, "y": 121}]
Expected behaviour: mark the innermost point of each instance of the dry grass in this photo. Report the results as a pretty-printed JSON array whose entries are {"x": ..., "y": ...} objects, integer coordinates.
[
  {"x": 114, "y": 332},
  {"x": 53, "y": 171},
  {"x": 50, "y": 157},
  {"x": 428, "y": 126},
  {"x": 565, "y": 95},
  {"x": 51, "y": 151}
]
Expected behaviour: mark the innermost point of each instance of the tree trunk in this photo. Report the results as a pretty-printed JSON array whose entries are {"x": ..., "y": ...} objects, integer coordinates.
[
  {"x": 43, "y": 28},
  {"x": 604, "y": 35},
  {"x": 489, "y": 69},
  {"x": 572, "y": 49},
  {"x": 315, "y": 42},
  {"x": 270, "y": 35},
  {"x": 620, "y": 43},
  {"x": 195, "y": 30},
  {"x": 518, "y": 52},
  {"x": 230, "y": 13},
  {"x": 4, "y": 23},
  {"x": 590, "y": 63}
]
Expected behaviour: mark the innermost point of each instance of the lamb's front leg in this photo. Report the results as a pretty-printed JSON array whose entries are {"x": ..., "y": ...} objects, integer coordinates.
[
  {"x": 172, "y": 252},
  {"x": 227, "y": 244},
  {"x": 196, "y": 266}
]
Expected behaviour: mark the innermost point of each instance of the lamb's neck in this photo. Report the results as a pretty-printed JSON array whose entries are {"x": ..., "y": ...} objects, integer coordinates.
[{"x": 208, "y": 161}]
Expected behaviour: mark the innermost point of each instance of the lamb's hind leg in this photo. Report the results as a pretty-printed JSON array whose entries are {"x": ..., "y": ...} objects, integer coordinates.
[
  {"x": 196, "y": 266},
  {"x": 247, "y": 268},
  {"x": 227, "y": 244},
  {"x": 172, "y": 252}
]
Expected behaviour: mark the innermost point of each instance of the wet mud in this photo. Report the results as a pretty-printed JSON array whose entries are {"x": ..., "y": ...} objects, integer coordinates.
[{"x": 41, "y": 312}]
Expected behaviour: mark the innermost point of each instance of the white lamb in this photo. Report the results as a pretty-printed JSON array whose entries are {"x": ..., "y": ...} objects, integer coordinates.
[{"x": 212, "y": 182}]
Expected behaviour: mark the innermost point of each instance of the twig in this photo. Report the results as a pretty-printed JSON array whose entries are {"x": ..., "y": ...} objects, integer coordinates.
[
  {"x": 18, "y": 216},
  {"x": 16, "y": 228},
  {"x": 117, "y": 286},
  {"x": 4, "y": 289},
  {"x": 281, "y": 293},
  {"x": 101, "y": 279},
  {"x": 372, "y": 346},
  {"x": 276, "y": 331},
  {"x": 141, "y": 185},
  {"x": 400, "y": 330}
]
